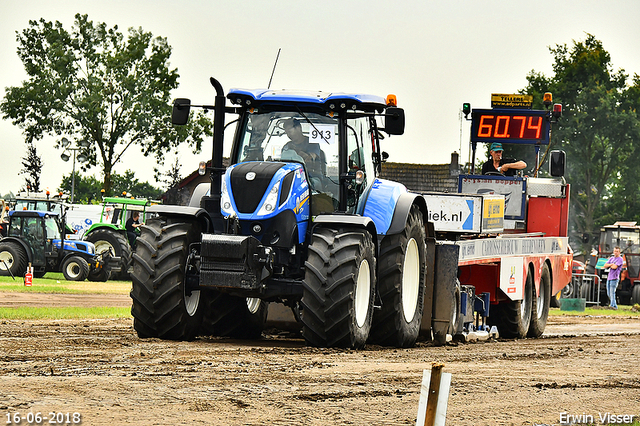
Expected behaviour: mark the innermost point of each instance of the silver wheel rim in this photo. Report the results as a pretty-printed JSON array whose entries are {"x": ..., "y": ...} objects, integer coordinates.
[
  {"x": 540, "y": 301},
  {"x": 103, "y": 245},
  {"x": 526, "y": 298},
  {"x": 363, "y": 289},
  {"x": 6, "y": 257},
  {"x": 410, "y": 280},
  {"x": 73, "y": 269},
  {"x": 253, "y": 304},
  {"x": 191, "y": 302}
]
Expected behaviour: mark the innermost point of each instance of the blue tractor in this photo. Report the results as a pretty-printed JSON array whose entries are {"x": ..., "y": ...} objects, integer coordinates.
[
  {"x": 35, "y": 238},
  {"x": 300, "y": 218}
]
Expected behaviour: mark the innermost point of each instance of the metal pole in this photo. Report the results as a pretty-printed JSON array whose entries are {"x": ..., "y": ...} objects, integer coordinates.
[{"x": 73, "y": 175}]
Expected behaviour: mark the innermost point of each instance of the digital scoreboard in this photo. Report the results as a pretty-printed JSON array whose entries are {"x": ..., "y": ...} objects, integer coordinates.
[{"x": 510, "y": 126}]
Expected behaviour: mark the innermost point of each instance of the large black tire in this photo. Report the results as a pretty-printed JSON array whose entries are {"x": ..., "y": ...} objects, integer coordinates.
[
  {"x": 401, "y": 282},
  {"x": 231, "y": 316},
  {"x": 540, "y": 304},
  {"x": 13, "y": 259},
  {"x": 108, "y": 239},
  {"x": 513, "y": 317},
  {"x": 162, "y": 306},
  {"x": 635, "y": 294},
  {"x": 338, "y": 288},
  {"x": 75, "y": 268}
]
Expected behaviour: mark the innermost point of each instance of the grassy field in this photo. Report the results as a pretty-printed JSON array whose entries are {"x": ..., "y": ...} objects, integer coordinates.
[
  {"x": 54, "y": 282},
  {"x": 622, "y": 310},
  {"x": 27, "y": 313}
]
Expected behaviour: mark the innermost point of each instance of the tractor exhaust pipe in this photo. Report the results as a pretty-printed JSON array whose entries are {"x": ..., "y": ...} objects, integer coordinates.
[{"x": 212, "y": 203}]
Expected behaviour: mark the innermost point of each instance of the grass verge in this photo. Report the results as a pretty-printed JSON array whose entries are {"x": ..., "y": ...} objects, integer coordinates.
[
  {"x": 55, "y": 283},
  {"x": 623, "y": 311},
  {"x": 25, "y": 312}
]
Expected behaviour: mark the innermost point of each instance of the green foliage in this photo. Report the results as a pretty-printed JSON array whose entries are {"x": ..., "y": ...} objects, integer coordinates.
[
  {"x": 88, "y": 189},
  {"x": 599, "y": 131},
  {"x": 93, "y": 84}
]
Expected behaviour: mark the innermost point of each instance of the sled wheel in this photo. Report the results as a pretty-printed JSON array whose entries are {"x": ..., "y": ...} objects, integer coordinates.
[
  {"x": 13, "y": 259},
  {"x": 540, "y": 305},
  {"x": 401, "y": 281},
  {"x": 75, "y": 268},
  {"x": 513, "y": 317},
  {"x": 232, "y": 316},
  {"x": 338, "y": 288},
  {"x": 106, "y": 239},
  {"x": 162, "y": 305},
  {"x": 635, "y": 294}
]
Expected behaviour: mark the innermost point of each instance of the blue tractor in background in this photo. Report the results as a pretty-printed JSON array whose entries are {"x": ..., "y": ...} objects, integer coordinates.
[
  {"x": 36, "y": 239},
  {"x": 300, "y": 218}
]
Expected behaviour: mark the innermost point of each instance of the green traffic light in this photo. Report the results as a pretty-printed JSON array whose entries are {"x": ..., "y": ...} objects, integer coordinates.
[{"x": 466, "y": 108}]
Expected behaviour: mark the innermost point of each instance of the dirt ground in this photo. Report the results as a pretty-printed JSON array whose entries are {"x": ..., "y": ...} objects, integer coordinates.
[{"x": 102, "y": 370}]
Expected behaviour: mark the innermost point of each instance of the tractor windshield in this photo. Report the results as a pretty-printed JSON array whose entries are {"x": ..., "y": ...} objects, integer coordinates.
[
  {"x": 310, "y": 139},
  {"x": 291, "y": 136},
  {"x": 627, "y": 240}
]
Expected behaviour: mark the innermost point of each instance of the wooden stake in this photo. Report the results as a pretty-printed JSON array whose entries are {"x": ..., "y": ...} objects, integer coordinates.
[{"x": 434, "y": 393}]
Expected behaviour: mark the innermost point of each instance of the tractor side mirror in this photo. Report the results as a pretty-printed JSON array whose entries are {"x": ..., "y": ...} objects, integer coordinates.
[
  {"x": 180, "y": 113},
  {"x": 557, "y": 163},
  {"x": 394, "y": 121}
]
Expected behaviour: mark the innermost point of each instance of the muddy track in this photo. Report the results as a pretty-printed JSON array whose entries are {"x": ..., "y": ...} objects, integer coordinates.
[{"x": 102, "y": 370}]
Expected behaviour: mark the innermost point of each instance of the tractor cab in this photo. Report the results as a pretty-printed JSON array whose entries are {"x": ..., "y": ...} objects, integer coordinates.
[
  {"x": 38, "y": 230},
  {"x": 330, "y": 141}
]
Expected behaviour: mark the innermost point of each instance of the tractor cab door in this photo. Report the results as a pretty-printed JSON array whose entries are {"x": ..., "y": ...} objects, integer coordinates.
[
  {"x": 52, "y": 232},
  {"x": 361, "y": 144},
  {"x": 30, "y": 229}
]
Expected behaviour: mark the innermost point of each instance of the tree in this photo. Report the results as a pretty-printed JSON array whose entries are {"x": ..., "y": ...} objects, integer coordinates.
[
  {"x": 91, "y": 84},
  {"x": 88, "y": 189},
  {"x": 32, "y": 167},
  {"x": 172, "y": 176},
  {"x": 599, "y": 129}
]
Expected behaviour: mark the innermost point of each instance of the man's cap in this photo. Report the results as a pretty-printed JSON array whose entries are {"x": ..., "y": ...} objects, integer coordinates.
[{"x": 496, "y": 146}]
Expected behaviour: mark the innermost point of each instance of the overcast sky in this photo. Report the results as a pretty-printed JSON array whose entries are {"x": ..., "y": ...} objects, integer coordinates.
[{"x": 434, "y": 55}]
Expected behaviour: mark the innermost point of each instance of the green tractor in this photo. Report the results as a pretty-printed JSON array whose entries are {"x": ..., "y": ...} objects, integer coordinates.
[{"x": 110, "y": 232}]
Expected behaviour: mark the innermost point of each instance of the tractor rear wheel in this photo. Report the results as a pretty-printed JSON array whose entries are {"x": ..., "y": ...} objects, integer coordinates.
[
  {"x": 401, "y": 281},
  {"x": 513, "y": 317},
  {"x": 163, "y": 306},
  {"x": 106, "y": 239},
  {"x": 13, "y": 259},
  {"x": 75, "y": 268},
  {"x": 540, "y": 306},
  {"x": 232, "y": 316},
  {"x": 338, "y": 288}
]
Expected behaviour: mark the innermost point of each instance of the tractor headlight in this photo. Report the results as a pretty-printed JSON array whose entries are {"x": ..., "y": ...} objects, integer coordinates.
[
  {"x": 225, "y": 200},
  {"x": 271, "y": 202}
]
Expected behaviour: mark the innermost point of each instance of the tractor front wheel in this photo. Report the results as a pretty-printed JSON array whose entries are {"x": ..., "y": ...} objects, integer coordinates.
[
  {"x": 338, "y": 288},
  {"x": 75, "y": 268},
  {"x": 163, "y": 305}
]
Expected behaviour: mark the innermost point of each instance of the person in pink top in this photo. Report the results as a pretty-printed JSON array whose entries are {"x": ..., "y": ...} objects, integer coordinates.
[{"x": 615, "y": 268}]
